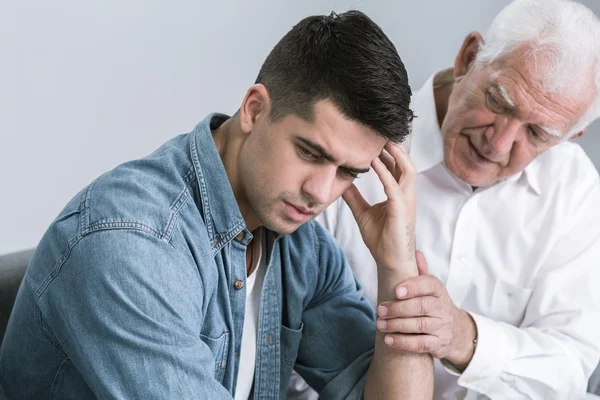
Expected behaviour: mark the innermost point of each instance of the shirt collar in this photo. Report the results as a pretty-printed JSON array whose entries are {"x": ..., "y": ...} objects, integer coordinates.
[
  {"x": 532, "y": 174},
  {"x": 222, "y": 215},
  {"x": 426, "y": 148}
]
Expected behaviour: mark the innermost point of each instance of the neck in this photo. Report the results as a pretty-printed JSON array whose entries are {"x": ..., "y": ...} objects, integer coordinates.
[
  {"x": 229, "y": 140},
  {"x": 441, "y": 96},
  {"x": 443, "y": 83}
]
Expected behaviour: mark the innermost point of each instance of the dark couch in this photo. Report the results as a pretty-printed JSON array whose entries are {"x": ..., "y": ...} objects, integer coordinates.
[{"x": 12, "y": 269}]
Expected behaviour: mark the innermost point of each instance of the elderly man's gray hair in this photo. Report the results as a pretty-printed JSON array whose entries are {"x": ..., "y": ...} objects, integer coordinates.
[{"x": 562, "y": 33}]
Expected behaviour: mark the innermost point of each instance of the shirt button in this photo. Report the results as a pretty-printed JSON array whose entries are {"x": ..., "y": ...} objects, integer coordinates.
[
  {"x": 238, "y": 284},
  {"x": 240, "y": 236}
]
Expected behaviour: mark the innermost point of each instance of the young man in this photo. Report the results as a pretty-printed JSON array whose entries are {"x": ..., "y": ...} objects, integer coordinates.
[
  {"x": 196, "y": 272},
  {"x": 508, "y": 212}
]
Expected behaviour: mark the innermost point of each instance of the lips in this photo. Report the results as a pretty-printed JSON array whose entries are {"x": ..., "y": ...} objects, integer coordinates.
[
  {"x": 303, "y": 210},
  {"x": 297, "y": 213}
]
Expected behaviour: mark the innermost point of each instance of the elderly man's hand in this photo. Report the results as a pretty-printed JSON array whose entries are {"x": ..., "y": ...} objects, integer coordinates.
[{"x": 425, "y": 320}]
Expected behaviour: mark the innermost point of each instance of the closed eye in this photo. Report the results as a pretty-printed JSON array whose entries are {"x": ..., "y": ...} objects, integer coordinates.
[
  {"x": 496, "y": 105},
  {"x": 307, "y": 154},
  {"x": 347, "y": 174},
  {"x": 536, "y": 135}
]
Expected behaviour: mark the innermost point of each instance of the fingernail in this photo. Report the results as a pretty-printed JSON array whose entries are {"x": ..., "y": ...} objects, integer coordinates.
[
  {"x": 388, "y": 340},
  {"x": 382, "y": 311},
  {"x": 401, "y": 291},
  {"x": 381, "y": 324}
]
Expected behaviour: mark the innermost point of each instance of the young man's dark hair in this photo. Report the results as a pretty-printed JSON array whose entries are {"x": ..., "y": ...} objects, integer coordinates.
[{"x": 344, "y": 58}]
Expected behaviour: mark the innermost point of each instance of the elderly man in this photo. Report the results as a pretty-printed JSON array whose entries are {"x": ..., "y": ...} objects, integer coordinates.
[{"x": 508, "y": 212}]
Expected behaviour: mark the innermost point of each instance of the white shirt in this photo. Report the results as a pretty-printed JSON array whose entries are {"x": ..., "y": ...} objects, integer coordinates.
[
  {"x": 254, "y": 284},
  {"x": 522, "y": 257}
]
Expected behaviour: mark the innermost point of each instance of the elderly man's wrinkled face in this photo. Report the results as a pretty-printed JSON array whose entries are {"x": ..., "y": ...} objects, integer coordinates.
[{"x": 499, "y": 119}]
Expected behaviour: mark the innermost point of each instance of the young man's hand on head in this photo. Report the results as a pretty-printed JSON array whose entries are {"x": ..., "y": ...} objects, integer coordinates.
[{"x": 388, "y": 227}]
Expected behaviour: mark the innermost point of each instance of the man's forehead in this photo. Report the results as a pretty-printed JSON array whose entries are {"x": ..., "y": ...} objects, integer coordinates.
[
  {"x": 509, "y": 89},
  {"x": 353, "y": 149},
  {"x": 356, "y": 154}
]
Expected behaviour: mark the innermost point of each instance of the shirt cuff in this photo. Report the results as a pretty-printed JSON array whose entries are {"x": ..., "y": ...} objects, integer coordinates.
[{"x": 489, "y": 358}]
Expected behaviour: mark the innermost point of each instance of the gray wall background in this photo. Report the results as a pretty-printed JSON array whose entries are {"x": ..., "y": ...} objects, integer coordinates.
[{"x": 85, "y": 86}]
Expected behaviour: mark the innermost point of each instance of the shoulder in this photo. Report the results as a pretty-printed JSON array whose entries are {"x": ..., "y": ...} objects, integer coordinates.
[
  {"x": 142, "y": 194},
  {"x": 565, "y": 170}
]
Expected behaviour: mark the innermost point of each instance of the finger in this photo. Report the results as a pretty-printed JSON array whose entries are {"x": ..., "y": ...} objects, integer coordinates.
[
  {"x": 422, "y": 285},
  {"x": 388, "y": 161},
  {"x": 390, "y": 186},
  {"x": 427, "y": 325},
  {"x": 404, "y": 167},
  {"x": 356, "y": 202},
  {"x": 421, "y": 263},
  {"x": 413, "y": 343},
  {"x": 416, "y": 307}
]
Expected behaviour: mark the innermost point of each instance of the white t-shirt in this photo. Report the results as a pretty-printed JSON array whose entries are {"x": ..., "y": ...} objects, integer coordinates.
[{"x": 254, "y": 284}]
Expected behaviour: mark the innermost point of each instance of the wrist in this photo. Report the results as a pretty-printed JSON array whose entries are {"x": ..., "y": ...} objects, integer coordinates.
[
  {"x": 406, "y": 266},
  {"x": 392, "y": 277},
  {"x": 466, "y": 341},
  {"x": 388, "y": 280}
]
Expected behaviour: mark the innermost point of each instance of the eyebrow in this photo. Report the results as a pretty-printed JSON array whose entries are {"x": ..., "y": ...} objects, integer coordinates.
[
  {"x": 323, "y": 153},
  {"x": 552, "y": 132},
  {"x": 504, "y": 93}
]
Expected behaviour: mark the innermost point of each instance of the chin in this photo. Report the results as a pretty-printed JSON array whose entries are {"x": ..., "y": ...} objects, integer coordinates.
[
  {"x": 475, "y": 179},
  {"x": 281, "y": 227},
  {"x": 468, "y": 175}
]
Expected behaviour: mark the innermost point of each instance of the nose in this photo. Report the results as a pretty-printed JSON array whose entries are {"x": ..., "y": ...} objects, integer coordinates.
[
  {"x": 318, "y": 186},
  {"x": 502, "y": 135}
]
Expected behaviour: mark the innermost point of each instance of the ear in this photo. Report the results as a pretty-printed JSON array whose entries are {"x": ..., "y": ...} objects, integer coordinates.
[
  {"x": 255, "y": 106},
  {"x": 466, "y": 54},
  {"x": 578, "y": 135}
]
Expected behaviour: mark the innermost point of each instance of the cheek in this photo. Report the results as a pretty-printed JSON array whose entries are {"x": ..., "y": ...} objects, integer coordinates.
[
  {"x": 343, "y": 187},
  {"x": 522, "y": 155},
  {"x": 473, "y": 121},
  {"x": 467, "y": 114}
]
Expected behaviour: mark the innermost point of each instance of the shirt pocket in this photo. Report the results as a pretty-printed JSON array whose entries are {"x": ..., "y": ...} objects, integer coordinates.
[
  {"x": 509, "y": 302},
  {"x": 218, "y": 347},
  {"x": 290, "y": 342}
]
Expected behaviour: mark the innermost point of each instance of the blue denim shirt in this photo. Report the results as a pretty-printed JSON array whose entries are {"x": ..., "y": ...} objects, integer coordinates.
[{"x": 132, "y": 293}]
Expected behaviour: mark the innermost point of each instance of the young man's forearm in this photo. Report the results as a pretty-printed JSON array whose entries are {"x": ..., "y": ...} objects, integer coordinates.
[{"x": 397, "y": 374}]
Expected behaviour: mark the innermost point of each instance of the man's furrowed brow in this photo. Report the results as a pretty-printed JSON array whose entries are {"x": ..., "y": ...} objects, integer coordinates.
[
  {"x": 506, "y": 96},
  {"x": 557, "y": 133},
  {"x": 323, "y": 153},
  {"x": 318, "y": 149}
]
